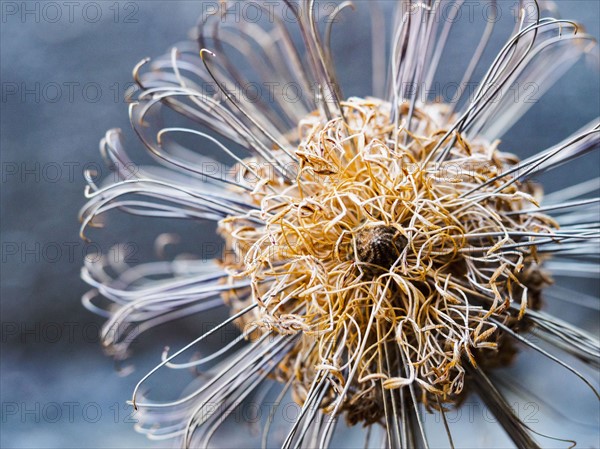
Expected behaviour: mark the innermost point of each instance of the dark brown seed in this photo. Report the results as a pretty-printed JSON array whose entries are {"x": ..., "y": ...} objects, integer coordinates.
[{"x": 380, "y": 245}]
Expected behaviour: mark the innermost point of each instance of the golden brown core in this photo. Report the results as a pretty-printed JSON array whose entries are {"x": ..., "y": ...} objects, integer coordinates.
[{"x": 381, "y": 267}]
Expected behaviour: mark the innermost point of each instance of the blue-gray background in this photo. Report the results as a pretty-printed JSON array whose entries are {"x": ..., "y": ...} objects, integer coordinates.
[{"x": 63, "y": 82}]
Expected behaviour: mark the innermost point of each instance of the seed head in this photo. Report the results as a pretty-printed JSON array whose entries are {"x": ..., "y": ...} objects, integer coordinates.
[{"x": 382, "y": 255}]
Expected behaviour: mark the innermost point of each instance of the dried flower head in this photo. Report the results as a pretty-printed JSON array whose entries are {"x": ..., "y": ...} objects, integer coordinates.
[{"x": 381, "y": 255}]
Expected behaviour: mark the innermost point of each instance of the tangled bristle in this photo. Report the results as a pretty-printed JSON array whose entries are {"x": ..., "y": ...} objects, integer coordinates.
[{"x": 377, "y": 260}]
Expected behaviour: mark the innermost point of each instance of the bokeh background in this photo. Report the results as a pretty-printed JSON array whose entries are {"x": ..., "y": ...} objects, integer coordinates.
[{"x": 65, "y": 67}]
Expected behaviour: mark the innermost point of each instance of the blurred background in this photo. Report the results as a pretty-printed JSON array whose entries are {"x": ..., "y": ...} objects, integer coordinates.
[{"x": 65, "y": 67}]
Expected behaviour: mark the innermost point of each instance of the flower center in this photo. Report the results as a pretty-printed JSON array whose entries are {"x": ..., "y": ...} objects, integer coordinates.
[
  {"x": 380, "y": 245},
  {"x": 380, "y": 266}
]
